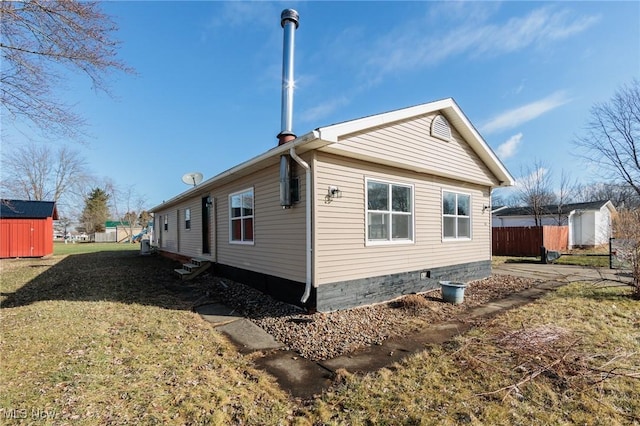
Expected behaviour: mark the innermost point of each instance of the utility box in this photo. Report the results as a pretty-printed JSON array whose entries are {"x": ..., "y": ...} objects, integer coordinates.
[{"x": 145, "y": 247}]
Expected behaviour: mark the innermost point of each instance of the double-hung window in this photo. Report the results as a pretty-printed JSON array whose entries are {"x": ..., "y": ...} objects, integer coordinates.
[
  {"x": 456, "y": 215},
  {"x": 389, "y": 212},
  {"x": 187, "y": 218},
  {"x": 241, "y": 217}
]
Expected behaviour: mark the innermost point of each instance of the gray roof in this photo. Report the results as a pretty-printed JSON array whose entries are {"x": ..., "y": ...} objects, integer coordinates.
[
  {"x": 552, "y": 209},
  {"x": 27, "y": 209}
]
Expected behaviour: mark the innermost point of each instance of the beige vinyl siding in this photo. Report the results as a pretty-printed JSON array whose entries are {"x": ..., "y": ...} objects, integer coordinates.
[
  {"x": 409, "y": 143},
  {"x": 341, "y": 251},
  {"x": 186, "y": 242},
  {"x": 278, "y": 248},
  {"x": 279, "y": 234}
]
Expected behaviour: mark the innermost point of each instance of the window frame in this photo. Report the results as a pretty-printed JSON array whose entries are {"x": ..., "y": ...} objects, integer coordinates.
[
  {"x": 389, "y": 213},
  {"x": 242, "y": 218},
  {"x": 456, "y": 216},
  {"x": 166, "y": 222},
  {"x": 187, "y": 218}
]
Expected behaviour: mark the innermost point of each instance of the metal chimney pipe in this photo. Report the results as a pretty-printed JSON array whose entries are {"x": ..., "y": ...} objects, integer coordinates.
[{"x": 289, "y": 20}]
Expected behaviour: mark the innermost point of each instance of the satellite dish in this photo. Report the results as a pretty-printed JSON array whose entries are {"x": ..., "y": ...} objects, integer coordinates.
[{"x": 192, "y": 178}]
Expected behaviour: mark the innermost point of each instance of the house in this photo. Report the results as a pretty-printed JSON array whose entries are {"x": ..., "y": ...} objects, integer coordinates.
[
  {"x": 350, "y": 214},
  {"x": 374, "y": 208},
  {"x": 26, "y": 228},
  {"x": 116, "y": 231},
  {"x": 590, "y": 224}
]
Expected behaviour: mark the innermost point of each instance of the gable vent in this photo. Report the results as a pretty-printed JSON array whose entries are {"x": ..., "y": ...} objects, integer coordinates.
[{"x": 440, "y": 128}]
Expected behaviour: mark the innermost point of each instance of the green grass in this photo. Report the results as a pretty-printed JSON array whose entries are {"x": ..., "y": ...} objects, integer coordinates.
[
  {"x": 104, "y": 337},
  {"x": 597, "y": 261},
  {"x": 62, "y": 249},
  {"x": 100, "y": 338},
  {"x": 587, "y": 373}
]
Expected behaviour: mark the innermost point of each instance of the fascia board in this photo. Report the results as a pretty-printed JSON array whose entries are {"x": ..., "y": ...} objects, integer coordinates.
[{"x": 299, "y": 142}]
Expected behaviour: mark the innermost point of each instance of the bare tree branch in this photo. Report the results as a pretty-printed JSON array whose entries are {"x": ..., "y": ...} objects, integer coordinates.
[
  {"x": 612, "y": 136},
  {"x": 36, "y": 38}
]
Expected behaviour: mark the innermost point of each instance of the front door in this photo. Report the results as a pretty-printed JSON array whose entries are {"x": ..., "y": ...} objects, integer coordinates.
[{"x": 206, "y": 217}]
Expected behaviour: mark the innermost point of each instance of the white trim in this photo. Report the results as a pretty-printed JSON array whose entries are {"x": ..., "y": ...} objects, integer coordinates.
[
  {"x": 442, "y": 215},
  {"x": 242, "y": 218},
  {"x": 390, "y": 214},
  {"x": 187, "y": 210},
  {"x": 329, "y": 135}
]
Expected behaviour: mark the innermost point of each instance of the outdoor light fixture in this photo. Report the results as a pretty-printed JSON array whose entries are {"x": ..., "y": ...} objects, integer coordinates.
[{"x": 334, "y": 192}]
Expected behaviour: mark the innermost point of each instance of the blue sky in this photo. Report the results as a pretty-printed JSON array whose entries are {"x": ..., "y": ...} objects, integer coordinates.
[{"x": 206, "y": 96}]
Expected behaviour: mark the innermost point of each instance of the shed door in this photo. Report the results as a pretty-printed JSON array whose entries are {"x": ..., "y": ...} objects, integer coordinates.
[{"x": 17, "y": 238}]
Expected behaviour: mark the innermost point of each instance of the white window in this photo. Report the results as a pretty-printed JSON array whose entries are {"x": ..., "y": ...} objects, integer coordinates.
[
  {"x": 389, "y": 212},
  {"x": 166, "y": 222},
  {"x": 241, "y": 217},
  {"x": 456, "y": 215},
  {"x": 187, "y": 218}
]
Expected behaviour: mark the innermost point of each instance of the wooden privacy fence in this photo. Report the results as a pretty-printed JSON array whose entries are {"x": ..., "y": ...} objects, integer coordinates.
[{"x": 527, "y": 240}]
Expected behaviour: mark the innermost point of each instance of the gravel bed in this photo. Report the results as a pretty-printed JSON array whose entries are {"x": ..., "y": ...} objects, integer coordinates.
[{"x": 322, "y": 336}]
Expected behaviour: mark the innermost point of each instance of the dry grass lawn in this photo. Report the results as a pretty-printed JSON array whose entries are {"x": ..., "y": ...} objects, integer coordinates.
[{"x": 108, "y": 338}]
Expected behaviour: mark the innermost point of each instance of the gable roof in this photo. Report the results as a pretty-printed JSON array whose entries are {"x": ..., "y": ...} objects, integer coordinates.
[
  {"x": 552, "y": 209},
  {"x": 332, "y": 134},
  {"x": 27, "y": 209},
  {"x": 452, "y": 112}
]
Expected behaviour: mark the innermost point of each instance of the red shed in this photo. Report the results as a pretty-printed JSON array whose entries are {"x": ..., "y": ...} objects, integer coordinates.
[{"x": 26, "y": 228}]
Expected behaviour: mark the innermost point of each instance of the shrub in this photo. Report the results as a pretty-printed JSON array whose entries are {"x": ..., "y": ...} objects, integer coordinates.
[{"x": 627, "y": 227}]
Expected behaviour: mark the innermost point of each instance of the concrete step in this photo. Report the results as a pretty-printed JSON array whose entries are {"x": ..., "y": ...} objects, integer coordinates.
[
  {"x": 192, "y": 269},
  {"x": 190, "y": 266}
]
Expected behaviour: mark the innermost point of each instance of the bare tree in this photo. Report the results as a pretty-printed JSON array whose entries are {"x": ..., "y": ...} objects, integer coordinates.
[
  {"x": 131, "y": 203},
  {"x": 627, "y": 228},
  {"x": 37, "y": 38},
  {"x": 612, "y": 138},
  {"x": 565, "y": 194},
  {"x": 620, "y": 194},
  {"x": 38, "y": 172},
  {"x": 534, "y": 190}
]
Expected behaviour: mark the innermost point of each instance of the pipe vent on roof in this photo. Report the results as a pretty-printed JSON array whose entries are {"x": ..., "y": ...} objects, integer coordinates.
[{"x": 440, "y": 128}]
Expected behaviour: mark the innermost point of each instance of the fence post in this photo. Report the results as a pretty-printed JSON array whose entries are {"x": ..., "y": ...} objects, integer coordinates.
[
  {"x": 610, "y": 253},
  {"x": 543, "y": 255}
]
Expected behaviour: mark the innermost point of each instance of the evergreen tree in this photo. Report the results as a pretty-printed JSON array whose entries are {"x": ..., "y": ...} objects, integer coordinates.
[{"x": 96, "y": 211}]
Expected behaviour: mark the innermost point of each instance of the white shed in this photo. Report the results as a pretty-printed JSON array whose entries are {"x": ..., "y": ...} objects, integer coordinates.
[{"x": 590, "y": 224}]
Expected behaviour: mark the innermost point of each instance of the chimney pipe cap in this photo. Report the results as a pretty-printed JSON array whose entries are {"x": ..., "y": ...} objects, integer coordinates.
[{"x": 289, "y": 15}]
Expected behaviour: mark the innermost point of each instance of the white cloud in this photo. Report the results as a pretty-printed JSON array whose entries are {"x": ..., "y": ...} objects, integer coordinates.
[
  {"x": 414, "y": 44},
  {"x": 508, "y": 149},
  {"x": 535, "y": 176},
  {"x": 321, "y": 110},
  {"x": 520, "y": 115}
]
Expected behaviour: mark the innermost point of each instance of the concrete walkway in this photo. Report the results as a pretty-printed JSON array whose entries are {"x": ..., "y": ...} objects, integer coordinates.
[{"x": 304, "y": 378}]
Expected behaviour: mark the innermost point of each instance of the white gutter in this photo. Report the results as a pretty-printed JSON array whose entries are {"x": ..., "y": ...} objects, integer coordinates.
[
  {"x": 498, "y": 209},
  {"x": 275, "y": 152},
  {"x": 307, "y": 288}
]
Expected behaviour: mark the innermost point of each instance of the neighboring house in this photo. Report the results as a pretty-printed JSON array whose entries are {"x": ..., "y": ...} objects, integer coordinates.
[
  {"x": 374, "y": 208},
  {"x": 590, "y": 224},
  {"x": 116, "y": 231},
  {"x": 26, "y": 228}
]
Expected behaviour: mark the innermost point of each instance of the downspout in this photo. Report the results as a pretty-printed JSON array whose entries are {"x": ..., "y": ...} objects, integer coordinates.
[{"x": 307, "y": 288}]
